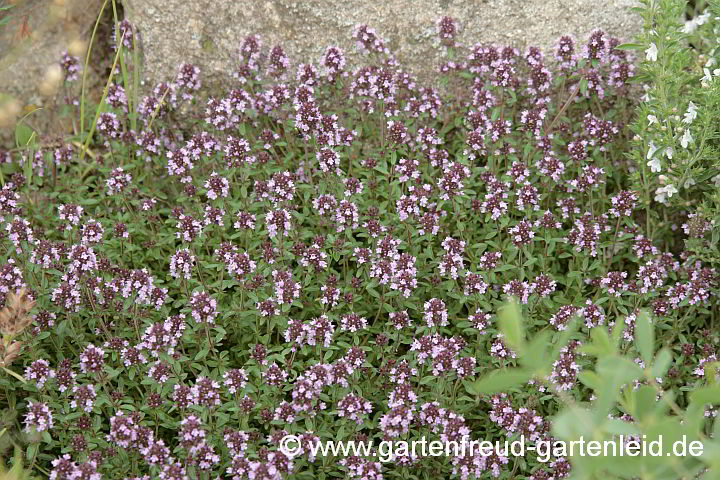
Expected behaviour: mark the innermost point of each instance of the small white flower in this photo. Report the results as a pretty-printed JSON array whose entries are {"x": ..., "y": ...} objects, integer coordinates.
[
  {"x": 663, "y": 193},
  {"x": 686, "y": 139},
  {"x": 691, "y": 113},
  {"x": 707, "y": 78},
  {"x": 688, "y": 183},
  {"x": 651, "y": 150},
  {"x": 716, "y": 180},
  {"x": 646, "y": 97},
  {"x": 651, "y": 52},
  {"x": 652, "y": 119},
  {"x": 669, "y": 153},
  {"x": 660, "y": 196},
  {"x": 654, "y": 165},
  {"x": 691, "y": 25}
]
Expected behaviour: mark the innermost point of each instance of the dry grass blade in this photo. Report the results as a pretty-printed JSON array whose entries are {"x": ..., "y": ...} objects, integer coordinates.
[
  {"x": 16, "y": 314},
  {"x": 8, "y": 354}
]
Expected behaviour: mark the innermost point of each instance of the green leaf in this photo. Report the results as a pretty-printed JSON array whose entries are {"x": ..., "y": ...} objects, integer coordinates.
[
  {"x": 202, "y": 354},
  {"x": 590, "y": 379},
  {"x": 16, "y": 375},
  {"x": 574, "y": 422},
  {"x": 694, "y": 417},
  {"x": 583, "y": 85},
  {"x": 662, "y": 362},
  {"x": 536, "y": 355},
  {"x": 32, "y": 450},
  {"x": 499, "y": 381},
  {"x": 645, "y": 336},
  {"x": 630, "y": 46},
  {"x": 615, "y": 426},
  {"x": 705, "y": 395},
  {"x": 616, "y": 372},
  {"x": 617, "y": 334},
  {"x": 600, "y": 345},
  {"x": 510, "y": 324},
  {"x": 644, "y": 403},
  {"x": 562, "y": 341},
  {"x": 373, "y": 292},
  {"x": 711, "y": 454},
  {"x": 23, "y": 135},
  {"x": 711, "y": 371}
]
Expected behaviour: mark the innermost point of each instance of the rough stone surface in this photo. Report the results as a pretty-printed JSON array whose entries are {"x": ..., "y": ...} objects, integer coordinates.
[
  {"x": 208, "y": 33},
  {"x": 38, "y": 33}
]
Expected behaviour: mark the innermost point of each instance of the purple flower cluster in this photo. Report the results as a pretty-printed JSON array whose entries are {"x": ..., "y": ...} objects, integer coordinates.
[{"x": 321, "y": 251}]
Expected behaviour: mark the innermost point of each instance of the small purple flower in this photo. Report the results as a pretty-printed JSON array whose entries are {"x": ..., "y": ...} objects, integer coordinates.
[
  {"x": 217, "y": 187},
  {"x": 278, "y": 221},
  {"x": 124, "y": 33},
  {"x": 435, "y": 313},
  {"x": 92, "y": 359},
  {"x": 188, "y": 80},
  {"x": 191, "y": 432},
  {"x": 204, "y": 307},
  {"x": 565, "y": 52},
  {"x": 38, "y": 417},
  {"x": 40, "y": 371},
  {"x": 108, "y": 125},
  {"x": 367, "y": 40},
  {"x": 92, "y": 232},
  {"x": 116, "y": 97},
  {"x": 353, "y": 322},
  {"x": 278, "y": 62},
  {"x": 206, "y": 392},
  {"x": 522, "y": 233},
  {"x": 83, "y": 397},
  {"x": 334, "y": 63},
  {"x": 123, "y": 430},
  {"x": 597, "y": 46},
  {"x": 181, "y": 264},
  {"x": 235, "y": 379},
  {"x": 188, "y": 228},
  {"x": 71, "y": 66},
  {"x": 118, "y": 181},
  {"x": 447, "y": 30},
  {"x": 354, "y": 407}
]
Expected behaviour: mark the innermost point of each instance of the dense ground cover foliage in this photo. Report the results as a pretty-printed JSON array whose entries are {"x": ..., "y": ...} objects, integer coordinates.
[{"x": 325, "y": 251}]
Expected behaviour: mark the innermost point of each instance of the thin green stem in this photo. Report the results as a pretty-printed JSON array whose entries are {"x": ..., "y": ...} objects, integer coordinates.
[{"x": 85, "y": 72}]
